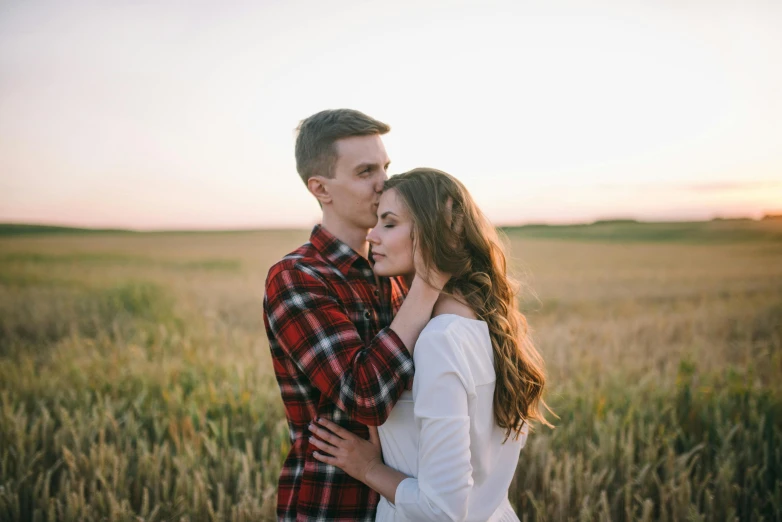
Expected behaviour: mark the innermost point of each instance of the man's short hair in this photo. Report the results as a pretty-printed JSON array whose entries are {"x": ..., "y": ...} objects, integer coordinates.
[{"x": 316, "y": 154}]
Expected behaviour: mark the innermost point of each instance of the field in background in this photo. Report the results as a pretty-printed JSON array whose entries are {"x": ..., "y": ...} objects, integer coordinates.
[{"x": 135, "y": 379}]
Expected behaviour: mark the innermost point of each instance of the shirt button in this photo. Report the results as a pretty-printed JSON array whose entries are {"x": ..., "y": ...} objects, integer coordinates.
[
  {"x": 367, "y": 314},
  {"x": 377, "y": 293}
]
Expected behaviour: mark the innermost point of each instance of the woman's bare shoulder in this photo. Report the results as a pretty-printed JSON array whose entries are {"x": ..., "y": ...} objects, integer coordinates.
[{"x": 449, "y": 305}]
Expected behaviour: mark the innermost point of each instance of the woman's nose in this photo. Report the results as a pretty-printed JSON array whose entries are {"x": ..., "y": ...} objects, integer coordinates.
[{"x": 372, "y": 236}]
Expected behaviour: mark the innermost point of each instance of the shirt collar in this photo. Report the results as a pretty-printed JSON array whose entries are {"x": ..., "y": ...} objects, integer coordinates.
[{"x": 335, "y": 251}]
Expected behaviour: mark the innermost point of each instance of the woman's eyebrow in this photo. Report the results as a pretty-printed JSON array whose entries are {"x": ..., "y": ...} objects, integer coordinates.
[{"x": 386, "y": 213}]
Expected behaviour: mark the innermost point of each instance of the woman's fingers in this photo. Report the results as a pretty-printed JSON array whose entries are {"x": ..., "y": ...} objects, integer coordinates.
[
  {"x": 334, "y": 428},
  {"x": 325, "y": 458},
  {"x": 326, "y": 435},
  {"x": 374, "y": 438},
  {"x": 328, "y": 448},
  {"x": 339, "y": 447}
]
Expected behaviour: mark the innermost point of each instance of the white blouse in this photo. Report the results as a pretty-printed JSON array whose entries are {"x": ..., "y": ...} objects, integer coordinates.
[{"x": 444, "y": 434}]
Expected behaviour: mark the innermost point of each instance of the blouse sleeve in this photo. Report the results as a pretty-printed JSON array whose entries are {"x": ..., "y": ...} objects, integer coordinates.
[{"x": 440, "y": 390}]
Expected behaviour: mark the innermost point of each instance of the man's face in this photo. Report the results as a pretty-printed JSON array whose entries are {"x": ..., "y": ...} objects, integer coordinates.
[{"x": 359, "y": 173}]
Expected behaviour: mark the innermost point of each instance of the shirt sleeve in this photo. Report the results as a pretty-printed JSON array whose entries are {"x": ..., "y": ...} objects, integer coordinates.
[
  {"x": 316, "y": 333},
  {"x": 440, "y": 391}
]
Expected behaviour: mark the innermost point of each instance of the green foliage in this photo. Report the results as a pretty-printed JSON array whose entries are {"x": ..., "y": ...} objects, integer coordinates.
[
  {"x": 38, "y": 319},
  {"x": 139, "y": 387},
  {"x": 83, "y": 260},
  {"x": 657, "y": 455},
  {"x": 13, "y": 229}
]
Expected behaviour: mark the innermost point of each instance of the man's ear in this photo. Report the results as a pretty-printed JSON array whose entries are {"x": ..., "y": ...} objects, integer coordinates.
[{"x": 318, "y": 188}]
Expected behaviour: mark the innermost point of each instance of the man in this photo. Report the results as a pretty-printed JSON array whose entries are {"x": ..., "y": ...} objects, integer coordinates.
[{"x": 341, "y": 338}]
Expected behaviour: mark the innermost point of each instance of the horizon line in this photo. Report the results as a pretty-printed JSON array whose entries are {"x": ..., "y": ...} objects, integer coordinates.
[{"x": 32, "y": 225}]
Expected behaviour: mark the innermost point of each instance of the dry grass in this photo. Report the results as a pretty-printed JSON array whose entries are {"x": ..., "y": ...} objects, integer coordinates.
[{"x": 135, "y": 380}]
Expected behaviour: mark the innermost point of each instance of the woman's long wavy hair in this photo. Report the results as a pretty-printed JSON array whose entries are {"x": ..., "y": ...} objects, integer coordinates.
[{"x": 454, "y": 236}]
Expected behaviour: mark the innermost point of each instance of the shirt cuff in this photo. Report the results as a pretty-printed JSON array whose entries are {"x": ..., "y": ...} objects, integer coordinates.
[
  {"x": 397, "y": 355},
  {"x": 406, "y": 492}
]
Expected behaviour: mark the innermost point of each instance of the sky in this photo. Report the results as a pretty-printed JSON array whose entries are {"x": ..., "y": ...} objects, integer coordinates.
[{"x": 160, "y": 115}]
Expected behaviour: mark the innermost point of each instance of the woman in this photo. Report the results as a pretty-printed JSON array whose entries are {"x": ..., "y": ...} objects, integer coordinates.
[{"x": 451, "y": 446}]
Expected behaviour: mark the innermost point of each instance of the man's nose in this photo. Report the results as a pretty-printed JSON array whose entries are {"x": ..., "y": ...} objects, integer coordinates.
[{"x": 381, "y": 181}]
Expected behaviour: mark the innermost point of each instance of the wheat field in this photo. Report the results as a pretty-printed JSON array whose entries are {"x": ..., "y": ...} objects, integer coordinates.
[{"x": 136, "y": 383}]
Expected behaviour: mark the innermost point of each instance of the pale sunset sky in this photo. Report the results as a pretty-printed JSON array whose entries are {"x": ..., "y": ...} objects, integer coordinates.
[{"x": 152, "y": 115}]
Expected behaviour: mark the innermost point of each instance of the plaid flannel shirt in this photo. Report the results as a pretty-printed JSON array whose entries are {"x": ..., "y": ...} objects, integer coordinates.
[{"x": 334, "y": 356}]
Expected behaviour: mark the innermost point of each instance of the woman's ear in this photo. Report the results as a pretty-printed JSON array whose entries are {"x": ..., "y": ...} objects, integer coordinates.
[
  {"x": 318, "y": 187},
  {"x": 457, "y": 224},
  {"x": 454, "y": 217},
  {"x": 454, "y": 220},
  {"x": 448, "y": 211}
]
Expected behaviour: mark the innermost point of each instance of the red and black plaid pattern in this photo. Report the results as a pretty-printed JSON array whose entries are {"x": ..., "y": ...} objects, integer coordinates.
[{"x": 327, "y": 318}]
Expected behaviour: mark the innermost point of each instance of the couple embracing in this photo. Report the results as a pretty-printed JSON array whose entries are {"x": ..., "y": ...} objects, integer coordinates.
[{"x": 405, "y": 367}]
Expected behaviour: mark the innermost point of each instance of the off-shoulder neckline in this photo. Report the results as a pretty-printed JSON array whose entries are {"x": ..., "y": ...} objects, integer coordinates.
[{"x": 459, "y": 317}]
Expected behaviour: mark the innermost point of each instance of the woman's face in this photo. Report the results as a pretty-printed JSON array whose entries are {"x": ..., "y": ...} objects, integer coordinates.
[{"x": 392, "y": 238}]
